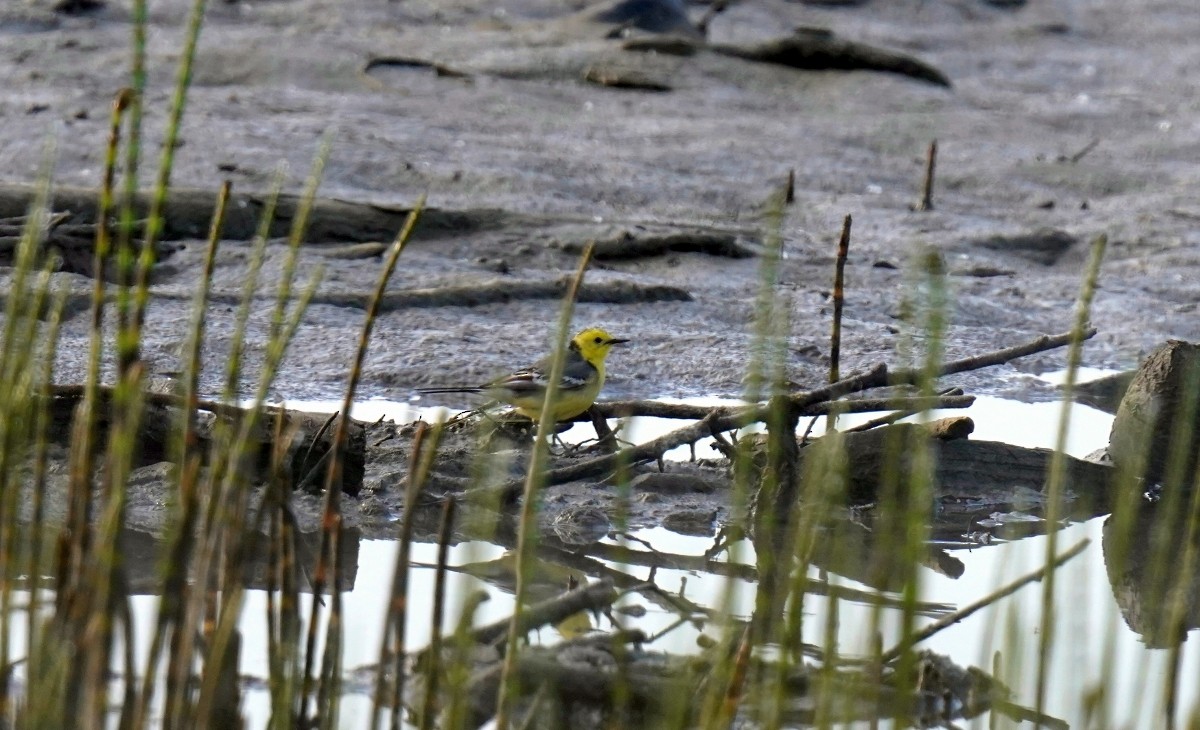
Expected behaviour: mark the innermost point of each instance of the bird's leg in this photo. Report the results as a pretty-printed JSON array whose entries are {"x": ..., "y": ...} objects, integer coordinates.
[{"x": 606, "y": 438}]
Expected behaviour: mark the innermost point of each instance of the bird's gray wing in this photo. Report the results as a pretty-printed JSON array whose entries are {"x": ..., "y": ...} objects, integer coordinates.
[{"x": 576, "y": 372}]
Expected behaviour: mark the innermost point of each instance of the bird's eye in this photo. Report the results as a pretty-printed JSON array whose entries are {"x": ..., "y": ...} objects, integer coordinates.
[{"x": 598, "y": 340}]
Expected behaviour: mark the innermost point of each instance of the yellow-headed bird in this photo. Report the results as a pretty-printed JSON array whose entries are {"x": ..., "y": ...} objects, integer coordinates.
[{"x": 525, "y": 389}]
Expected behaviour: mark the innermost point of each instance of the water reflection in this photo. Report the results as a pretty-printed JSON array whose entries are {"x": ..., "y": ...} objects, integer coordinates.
[
  {"x": 1159, "y": 596},
  {"x": 682, "y": 590}
]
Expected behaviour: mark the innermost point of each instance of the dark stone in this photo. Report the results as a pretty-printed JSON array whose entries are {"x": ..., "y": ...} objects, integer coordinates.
[
  {"x": 652, "y": 16},
  {"x": 1044, "y": 246}
]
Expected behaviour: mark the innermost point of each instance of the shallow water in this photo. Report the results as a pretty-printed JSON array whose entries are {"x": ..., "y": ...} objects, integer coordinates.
[{"x": 1090, "y": 626}]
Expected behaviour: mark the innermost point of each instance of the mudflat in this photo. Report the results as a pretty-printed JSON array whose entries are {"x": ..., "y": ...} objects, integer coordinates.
[{"x": 535, "y": 128}]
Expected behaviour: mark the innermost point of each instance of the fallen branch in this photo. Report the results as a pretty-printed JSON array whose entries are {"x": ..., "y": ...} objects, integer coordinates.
[
  {"x": 899, "y": 415},
  {"x": 628, "y": 246},
  {"x": 684, "y": 411},
  {"x": 820, "y": 49},
  {"x": 308, "y": 440},
  {"x": 997, "y": 357},
  {"x": 483, "y": 293},
  {"x": 727, "y": 419}
]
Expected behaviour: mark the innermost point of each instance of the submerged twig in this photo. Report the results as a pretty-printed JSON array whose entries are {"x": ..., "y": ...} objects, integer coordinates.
[
  {"x": 591, "y": 597},
  {"x": 962, "y": 613}
]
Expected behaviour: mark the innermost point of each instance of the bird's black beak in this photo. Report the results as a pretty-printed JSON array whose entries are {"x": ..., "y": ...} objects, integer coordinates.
[{"x": 616, "y": 341}]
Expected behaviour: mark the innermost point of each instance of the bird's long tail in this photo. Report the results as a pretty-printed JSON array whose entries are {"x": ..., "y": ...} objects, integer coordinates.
[{"x": 432, "y": 391}]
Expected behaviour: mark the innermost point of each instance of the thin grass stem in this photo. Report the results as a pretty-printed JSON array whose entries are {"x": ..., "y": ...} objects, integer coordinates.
[
  {"x": 527, "y": 526},
  {"x": 331, "y": 512},
  {"x": 1056, "y": 479}
]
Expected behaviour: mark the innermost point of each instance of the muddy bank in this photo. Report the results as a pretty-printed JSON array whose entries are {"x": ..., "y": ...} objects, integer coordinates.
[
  {"x": 524, "y": 159},
  {"x": 503, "y": 117}
]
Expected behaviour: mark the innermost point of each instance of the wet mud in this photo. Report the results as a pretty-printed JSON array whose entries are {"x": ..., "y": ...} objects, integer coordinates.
[
  {"x": 525, "y": 160},
  {"x": 494, "y": 112}
]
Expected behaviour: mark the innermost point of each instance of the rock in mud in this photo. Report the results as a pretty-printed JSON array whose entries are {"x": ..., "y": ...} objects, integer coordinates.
[
  {"x": 1044, "y": 246},
  {"x": 653, "y": 16}
]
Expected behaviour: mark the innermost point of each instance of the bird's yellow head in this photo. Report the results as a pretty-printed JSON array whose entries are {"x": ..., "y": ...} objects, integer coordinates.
[{"x": 593, "y": 344}]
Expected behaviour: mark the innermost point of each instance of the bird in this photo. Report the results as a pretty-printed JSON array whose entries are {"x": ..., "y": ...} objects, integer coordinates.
[{"x": 525, "y": 389}]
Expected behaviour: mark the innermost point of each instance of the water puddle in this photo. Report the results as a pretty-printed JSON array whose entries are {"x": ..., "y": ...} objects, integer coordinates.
[{"x": 1096, "y": 635}]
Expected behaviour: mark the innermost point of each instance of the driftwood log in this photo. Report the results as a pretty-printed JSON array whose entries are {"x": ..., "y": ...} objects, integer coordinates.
[
  {"x": 308, "y": 447},
  {"x": 809, "y": 49},
  {"x": 188, "y": 215},
  {"x": 1150, "y": 423},
  {"x": 962, "y": 467},
  {"x": 821, "y": 49}
]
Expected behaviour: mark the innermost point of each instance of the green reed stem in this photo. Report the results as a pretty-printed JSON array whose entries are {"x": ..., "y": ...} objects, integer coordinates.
[
  {"x": 331, "y": 514},
  {"x": 283, "y": 621},
  {"x": 759, "y": 384},
  {"x": 19, "y": 412},
  {"x": 134, "y": 106},
  {"x": 237, "y": 538},
  {"x": 434, "y": 669},
  {"x": 41, "y": 458},
  {"x": 1056, "y": 480},
  {"x": 176, "y": 587},
  {"x": 1179, "y": 583},
  {"x": 421, "y": 459},
  {"x": 209, "y": 492},
  {"x": 527, "y": 527},
  {"x": 158, "y": 200}
]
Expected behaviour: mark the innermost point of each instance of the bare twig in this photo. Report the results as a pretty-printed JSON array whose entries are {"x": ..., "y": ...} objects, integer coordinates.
[
  {"x": 1057, "y": 471},
  {"x": 998, "y": 357},
  {"x": 684, "y": 411},
  {"x": 930, "y": 165},
  {"x": 964, "y": 612},
  {"x": 1083, "y": 152},
  {"x": 839, "y": 299}
]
